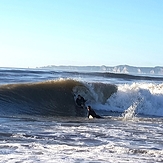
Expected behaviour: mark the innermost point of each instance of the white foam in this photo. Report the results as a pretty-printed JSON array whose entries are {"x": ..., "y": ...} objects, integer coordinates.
[
  {"x": 149, "y": 98},
  {"x": 89, "y": 141}
]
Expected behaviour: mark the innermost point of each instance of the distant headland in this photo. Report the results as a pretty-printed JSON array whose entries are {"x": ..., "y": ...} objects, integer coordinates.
[{"x": 125, "y": 69}]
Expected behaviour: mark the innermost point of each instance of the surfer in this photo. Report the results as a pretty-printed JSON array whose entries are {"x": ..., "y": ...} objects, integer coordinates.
[
  {"x": 91, "y": 113},
  {"x": 80, "y": 101}
]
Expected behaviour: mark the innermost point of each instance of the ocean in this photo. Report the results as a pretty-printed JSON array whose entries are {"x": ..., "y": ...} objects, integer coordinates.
[{"x": 40, "y": 122}]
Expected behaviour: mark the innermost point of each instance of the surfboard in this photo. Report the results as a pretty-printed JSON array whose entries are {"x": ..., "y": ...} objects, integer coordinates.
[{"x": 90, "y": 117}]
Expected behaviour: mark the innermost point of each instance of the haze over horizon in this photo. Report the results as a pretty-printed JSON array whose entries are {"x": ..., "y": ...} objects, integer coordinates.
[{"x": 81, "y": 33}]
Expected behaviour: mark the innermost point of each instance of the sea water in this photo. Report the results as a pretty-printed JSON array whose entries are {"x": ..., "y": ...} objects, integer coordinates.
[{"x": 39, "y": 121}]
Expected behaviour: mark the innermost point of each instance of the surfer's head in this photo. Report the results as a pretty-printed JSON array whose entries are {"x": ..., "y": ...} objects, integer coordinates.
[
  {"x": 79, "y": 96},
  {"x": 89, "y": 107}
]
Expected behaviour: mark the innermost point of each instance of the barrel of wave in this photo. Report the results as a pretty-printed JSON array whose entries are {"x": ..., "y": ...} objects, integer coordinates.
[{"x": 94, "y": 93}]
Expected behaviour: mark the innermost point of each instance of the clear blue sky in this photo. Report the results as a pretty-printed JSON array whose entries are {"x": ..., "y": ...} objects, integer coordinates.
[{"x": 36, "y": 33}]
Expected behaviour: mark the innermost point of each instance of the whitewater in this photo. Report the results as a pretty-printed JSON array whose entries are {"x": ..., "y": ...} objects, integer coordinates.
[{"x": 40, "y": 122}]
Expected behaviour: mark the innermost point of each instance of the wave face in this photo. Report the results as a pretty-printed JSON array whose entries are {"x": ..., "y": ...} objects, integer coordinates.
[{"x": 51, "y": 98}]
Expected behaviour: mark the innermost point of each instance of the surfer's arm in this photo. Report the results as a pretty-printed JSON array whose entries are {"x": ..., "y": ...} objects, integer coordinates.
[{"x": 78, "y": 102}]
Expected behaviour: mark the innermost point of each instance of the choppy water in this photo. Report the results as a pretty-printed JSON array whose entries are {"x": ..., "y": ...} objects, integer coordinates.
[{"x": 39, "y": 121}]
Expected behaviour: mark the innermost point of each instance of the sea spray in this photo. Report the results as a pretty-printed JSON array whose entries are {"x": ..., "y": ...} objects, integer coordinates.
[{"x": 130, "y": 113}]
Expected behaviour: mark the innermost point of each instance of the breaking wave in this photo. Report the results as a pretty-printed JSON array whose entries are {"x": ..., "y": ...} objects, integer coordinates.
[
  {"x": 51, "y": 98},
  {"x": 138, "y": 98}
]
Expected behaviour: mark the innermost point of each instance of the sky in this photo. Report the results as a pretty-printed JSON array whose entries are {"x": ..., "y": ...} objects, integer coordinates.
[{"x": 36, "y": 33}]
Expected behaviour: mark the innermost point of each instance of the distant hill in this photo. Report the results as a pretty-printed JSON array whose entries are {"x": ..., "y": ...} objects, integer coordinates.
[{"x": 125, "y": 69}]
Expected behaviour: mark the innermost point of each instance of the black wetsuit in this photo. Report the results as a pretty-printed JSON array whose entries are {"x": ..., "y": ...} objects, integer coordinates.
[
  {"x": 80, "y": 102},
  {"x": 93, "y": 114}
]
